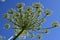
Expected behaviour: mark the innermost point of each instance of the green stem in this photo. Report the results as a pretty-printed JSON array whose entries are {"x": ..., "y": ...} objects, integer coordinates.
[{"x": 18, "y": 34}]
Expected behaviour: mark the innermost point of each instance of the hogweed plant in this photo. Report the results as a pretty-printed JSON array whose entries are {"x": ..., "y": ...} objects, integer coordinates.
[{"x": 26, "y": 21}]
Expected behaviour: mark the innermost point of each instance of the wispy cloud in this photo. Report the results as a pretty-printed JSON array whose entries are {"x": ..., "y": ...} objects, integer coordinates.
[{"x": 2, "y": 0}]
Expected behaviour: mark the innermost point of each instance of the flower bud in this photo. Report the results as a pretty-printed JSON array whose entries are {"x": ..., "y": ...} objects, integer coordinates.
[
  {"x": 31, "y": 35},
  {"x": 11, "y": 11},
  {"x": 20, "y": 5},
  {"x": 7, "y": 26},
  {"x": 5, "y": 15},
  {"x": 55, "y": 24},
  {"x": 47, "y": 12},
  {"x": 37, "y": 5},
  {"x": 46, "y": 30},
  {"x": 42, "y": 20},
  {"x": 29, "y": 9},
  {"x": 39, "y": 36},
  {"x": 10, "y": 20}
]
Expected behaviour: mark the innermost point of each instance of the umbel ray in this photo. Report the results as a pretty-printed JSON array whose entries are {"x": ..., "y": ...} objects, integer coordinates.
[{"x": 28, "y": 20}]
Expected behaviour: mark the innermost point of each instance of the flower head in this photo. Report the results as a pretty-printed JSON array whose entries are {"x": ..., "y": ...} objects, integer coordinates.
[
  {"x": 7, "y": 26},
  {"x": 55, "y": 24},
  {"x": 47, "y": 12},
  {"x": 20, "y": 5}
]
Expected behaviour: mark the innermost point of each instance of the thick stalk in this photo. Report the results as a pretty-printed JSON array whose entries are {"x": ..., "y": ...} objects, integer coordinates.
[{"x": 18, "y": 34}]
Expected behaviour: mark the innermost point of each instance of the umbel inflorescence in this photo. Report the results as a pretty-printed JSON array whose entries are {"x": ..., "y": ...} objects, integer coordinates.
[{"x": 29, "y": 19}]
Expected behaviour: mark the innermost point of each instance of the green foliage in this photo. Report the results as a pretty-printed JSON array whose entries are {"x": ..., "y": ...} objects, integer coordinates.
[{"x": 28, "y": 19}]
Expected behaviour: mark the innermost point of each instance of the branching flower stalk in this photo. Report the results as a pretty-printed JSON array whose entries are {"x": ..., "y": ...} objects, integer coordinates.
[{"x": 29, "y": 19}]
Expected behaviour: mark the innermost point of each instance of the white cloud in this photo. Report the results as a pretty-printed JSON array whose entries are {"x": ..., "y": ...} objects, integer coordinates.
[{"x": 2, "y": 0}]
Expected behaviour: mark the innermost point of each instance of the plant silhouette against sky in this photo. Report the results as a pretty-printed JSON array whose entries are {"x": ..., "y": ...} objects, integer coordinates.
[{"x": 28, "y": 20}]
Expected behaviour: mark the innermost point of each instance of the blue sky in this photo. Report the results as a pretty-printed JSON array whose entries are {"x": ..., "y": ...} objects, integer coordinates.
[{"x": 53, "y": 5}]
